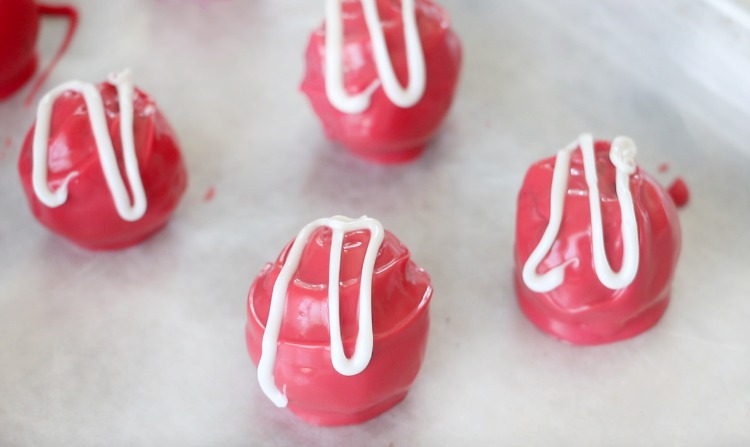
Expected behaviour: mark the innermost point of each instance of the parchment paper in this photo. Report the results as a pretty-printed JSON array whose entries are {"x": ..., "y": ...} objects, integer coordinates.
[{"x": 145, "y": 347}]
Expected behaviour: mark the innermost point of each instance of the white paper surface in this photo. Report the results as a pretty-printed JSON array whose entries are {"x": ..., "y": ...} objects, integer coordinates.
[{"x": 146, "y": 346}]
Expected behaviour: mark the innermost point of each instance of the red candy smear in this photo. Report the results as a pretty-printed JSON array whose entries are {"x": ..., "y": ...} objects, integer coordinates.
[
  {"x": 210, "y": 194},
  {"x": 4, "y": 149},
  {"x": 679, "y": 192}
]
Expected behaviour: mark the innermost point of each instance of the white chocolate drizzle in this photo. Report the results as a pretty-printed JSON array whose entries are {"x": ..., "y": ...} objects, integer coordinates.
[
  {"x": 334, "y": 59},
  {"x": 363, "y": 348},
  {"x": 97, "y": 117},
  {"x": 622, "y": 154}
]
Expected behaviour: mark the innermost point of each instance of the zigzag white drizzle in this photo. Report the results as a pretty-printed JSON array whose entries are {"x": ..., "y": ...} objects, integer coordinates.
[
  {"x": 96, "y": 112},
  {"x": 363, "y": 348},
  {"x": 622, "y": 154},
  {"x": 334, "y": 59}
]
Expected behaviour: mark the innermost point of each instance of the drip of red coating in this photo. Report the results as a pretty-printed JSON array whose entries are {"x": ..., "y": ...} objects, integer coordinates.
[
  {"x": 71, "y": 14},
  {"x": 679, "y": 192},
  {"x": 664, "y": 167}
]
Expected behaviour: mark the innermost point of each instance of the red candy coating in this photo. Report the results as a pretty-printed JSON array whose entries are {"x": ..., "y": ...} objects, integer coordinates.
[
  {"x": 582, "y": 310},
  {"x": 384, "y": 132},
  {"x": 401, "y": 293},
  {"x": 89, "y": 217},
  {"x": 19, "y": 28}
]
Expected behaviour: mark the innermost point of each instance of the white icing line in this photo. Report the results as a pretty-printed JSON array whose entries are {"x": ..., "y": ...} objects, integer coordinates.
[
  {"x": 554, "y": 276},
  {"x": 622, "y": 155},
  {"x": 334, "y": 60},
  {"x": 97, "y": 117},
  {"x": 363, "y": 348}
]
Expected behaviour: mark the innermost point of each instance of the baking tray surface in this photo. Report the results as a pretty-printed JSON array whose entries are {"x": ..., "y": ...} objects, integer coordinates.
[{"x": 145, "y": 346}]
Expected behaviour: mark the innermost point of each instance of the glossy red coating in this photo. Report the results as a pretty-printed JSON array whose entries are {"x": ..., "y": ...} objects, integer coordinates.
[
  {"x": 89, "y": 217},
  {"x": 317, "y": 393},
  {"x": 582, "y": 310},
  {"x": 386, "y": 133},
  {"x": 19, "y": 29}
]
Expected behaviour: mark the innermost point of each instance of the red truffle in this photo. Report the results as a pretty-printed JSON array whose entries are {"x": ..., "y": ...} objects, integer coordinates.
[
  {"x": 75, "y": 160},
  {"x": 580, "y": 306},
  {"x": 381, "y": 130},
  {"x": 300, "y": 342}
]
